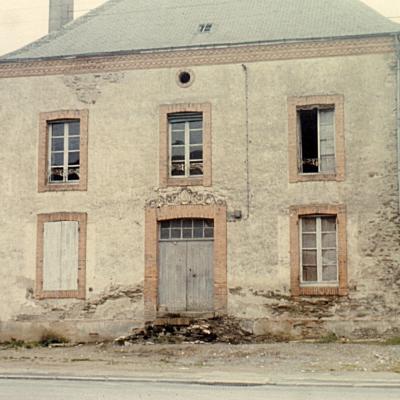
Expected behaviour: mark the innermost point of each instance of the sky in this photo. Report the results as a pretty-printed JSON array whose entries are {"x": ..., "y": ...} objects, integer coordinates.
[{"x": 23, "y": 21}]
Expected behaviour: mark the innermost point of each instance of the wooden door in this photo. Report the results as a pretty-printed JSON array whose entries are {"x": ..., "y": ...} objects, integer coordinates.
[{"x": 186, "y": 266}]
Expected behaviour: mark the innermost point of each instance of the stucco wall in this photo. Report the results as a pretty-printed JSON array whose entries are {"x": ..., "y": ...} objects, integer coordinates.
[{"x": 123, "y": 174}]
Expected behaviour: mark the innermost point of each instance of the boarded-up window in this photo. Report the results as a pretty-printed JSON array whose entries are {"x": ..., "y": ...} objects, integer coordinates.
[
  {"x": 318, "y": 240},
  {"x": 317, "y": 140},
  {"x": 61, "y": 255}
]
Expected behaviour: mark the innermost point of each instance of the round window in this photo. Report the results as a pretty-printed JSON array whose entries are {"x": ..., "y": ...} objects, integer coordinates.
[{"x": 185, "y": 78}]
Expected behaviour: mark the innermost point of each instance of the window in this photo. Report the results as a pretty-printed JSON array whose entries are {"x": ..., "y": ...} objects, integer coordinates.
[
  {"x": 61, "y": 255},
  {"x": 184, "y": 229},
  {"x": 316, "y": 138},
  {"x": 185, "y": 145},
  {"x": 318, "y": 250},
  {"x": 63, "y": 151}
]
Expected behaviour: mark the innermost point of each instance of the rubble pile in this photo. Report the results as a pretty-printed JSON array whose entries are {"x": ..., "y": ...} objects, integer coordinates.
[{"x": 222, "y": 330}]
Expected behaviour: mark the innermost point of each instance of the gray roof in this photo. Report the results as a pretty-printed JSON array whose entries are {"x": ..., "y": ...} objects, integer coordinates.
[{"x": 138, "y": 25}]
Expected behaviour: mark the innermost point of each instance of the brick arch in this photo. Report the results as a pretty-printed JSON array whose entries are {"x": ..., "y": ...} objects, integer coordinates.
[{"x": 152, "y": 218}]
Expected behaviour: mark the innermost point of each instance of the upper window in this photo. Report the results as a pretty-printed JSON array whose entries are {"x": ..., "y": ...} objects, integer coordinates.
[
  {"x": 185, "y": 145},
  {"x": 316, "y": 138},
  {"x": 63, "y": 151},
  {"x": 318, "y": 250}
]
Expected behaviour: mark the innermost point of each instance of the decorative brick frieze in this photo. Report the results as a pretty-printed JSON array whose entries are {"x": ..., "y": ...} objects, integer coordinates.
[{"x": 191, "y": 57}]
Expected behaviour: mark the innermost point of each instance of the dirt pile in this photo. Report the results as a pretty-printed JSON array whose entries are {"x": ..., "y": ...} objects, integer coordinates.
[{"x": 222, "y": 330}]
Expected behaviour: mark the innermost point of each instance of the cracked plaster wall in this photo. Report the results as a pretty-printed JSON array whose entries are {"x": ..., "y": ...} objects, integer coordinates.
[{"x": 123, "y": 174}]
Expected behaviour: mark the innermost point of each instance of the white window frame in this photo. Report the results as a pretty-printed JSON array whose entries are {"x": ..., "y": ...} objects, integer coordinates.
[
  {"x": 66, "y": 152},
  {"x": 319, "y": 249},
  {"x": 187, "y": 146},
  {"x": 301, "y": 166}
]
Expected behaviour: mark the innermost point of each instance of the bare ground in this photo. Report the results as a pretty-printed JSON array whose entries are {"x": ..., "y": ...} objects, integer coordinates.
[{"x": 273, "y": 358}]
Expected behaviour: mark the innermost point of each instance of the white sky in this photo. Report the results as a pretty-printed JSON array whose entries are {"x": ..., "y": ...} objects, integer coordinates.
[{"x": 23, "y": 21}]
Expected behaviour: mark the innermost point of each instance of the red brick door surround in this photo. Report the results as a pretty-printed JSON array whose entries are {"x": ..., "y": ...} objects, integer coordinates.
[{"x": 185, "y": 204}]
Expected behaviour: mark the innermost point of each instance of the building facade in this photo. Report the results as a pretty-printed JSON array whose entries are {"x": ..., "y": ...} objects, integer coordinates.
[{"x": 253, "y": 180}]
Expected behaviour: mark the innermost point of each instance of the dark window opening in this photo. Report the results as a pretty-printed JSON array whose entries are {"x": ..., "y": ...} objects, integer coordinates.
[
  {"x": 185, "y": 77},
  {"x": 309, "y": 140}
]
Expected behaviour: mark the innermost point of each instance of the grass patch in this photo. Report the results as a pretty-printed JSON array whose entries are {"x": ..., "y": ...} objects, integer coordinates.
[
  {"x": 394, "y": 341},
  {"x": 329, "y": 338}
]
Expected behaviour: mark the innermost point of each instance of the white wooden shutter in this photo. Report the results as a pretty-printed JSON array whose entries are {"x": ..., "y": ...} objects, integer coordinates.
[
  {"x": 327, "y": 140},
  {"x": 60, "y": 258}
]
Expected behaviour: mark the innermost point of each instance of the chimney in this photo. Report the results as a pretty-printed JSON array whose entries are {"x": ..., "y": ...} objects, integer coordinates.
[{"x": 60, "y": 13}]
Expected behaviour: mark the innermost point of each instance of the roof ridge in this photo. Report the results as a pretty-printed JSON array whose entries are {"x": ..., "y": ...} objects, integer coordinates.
[{"x": 64, "y": 29}]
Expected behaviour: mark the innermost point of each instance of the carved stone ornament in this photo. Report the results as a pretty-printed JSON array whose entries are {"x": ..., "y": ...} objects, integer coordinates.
[{"x": 186, "y": 196}]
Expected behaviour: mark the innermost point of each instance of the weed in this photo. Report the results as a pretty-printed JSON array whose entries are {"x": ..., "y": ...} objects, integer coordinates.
[
  {"x": 49, "y": 337},
  {"x": 330, "y": 337},
  {"x": 394, "y": 341}
]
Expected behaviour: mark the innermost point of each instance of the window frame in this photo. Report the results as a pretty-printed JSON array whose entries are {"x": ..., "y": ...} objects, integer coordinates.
[
  {"x": 336, "y": 102},
  {"x": 81, "y": 218},
  {"x": 164, "y": 161},
  {"x": 45, "y": 120},
  {"x": 300, "y": 288}
]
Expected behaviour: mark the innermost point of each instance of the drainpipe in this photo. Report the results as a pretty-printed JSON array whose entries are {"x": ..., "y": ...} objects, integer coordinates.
[
  {"x": 398, "y": 113},
  {"x": 60, "y": 13}
]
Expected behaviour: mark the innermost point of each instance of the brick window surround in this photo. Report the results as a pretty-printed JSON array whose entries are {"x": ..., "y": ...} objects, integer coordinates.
[
  {"x": 81, "y": 218},
  {"x": 165, "y": 179},
  {"x": 296, "y": 212},
  {"x": 43, "y": 157},
  {"x": 296, "y": 103},
  {"x": 152, "y": 218}
]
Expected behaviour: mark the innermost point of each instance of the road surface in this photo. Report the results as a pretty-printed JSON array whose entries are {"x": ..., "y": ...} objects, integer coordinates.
[{"x": 17, "y": 389}]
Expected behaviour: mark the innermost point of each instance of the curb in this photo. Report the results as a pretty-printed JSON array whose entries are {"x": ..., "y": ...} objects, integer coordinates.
[{"x": 384, "y": 384}]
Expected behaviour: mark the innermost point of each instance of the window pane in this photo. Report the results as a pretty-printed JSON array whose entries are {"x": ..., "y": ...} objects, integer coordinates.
[
  {"x": 196, "y": 125},
  {"x": 326, "y": 117},
  {"x": 329, "y": 257},
  {"x": 209, "y": 222},
  {"x": 329, "y": 273},
  {"x": 178, "y": 168},
  {"x": 57, "y": 159},
  {"x": 309, "y": 257},
  {"x": 196, "y": 168},
  {"x": 164, "y": 233},
  {"x": 309, "y": 241},
  {"x": 308, "y": 224},
  {"x": 56, "y": 175},
  {"x": 177, "y": 223},
  {"x": 73, "y": 158},
  {"x": 57, "y": 144},
  {"x": 198, "y": 223},
  {"x": 329, "y": 240},
  {"x": 308, "y": 121},
  {"x": 74, "y": 143},
  {"x": 178, "y": 126},
  {"x": 57, "y": 129},
  {"x": 164, "y": 224},
  {"x": 187, "y": 223},
  {"x": 175, "y": 233},
  {"x": 328, "y": 224},
  {"x": 73, "y": 174},
  {"x": 196, "y": 152},
  {"x": 196, "y": 137},
  {"x": 74, "y": 128},
  {"x": 178, "y": 153},
  {"x": 187, "y": 233},
  {"x": 208, "y": 232},
  {"x": 328, "y": 164},
  {"x": 177, "y": 138},
  {"x": 198, "y": 232},
  {"x": 309, "y": 274}
]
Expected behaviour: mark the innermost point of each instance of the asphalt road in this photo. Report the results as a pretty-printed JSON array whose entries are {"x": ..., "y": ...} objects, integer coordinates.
[{"x": 94, "y": 390}]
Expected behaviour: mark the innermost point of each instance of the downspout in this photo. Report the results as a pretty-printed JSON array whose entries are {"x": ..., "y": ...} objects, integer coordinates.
[{"x": 397, "y": 38}]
